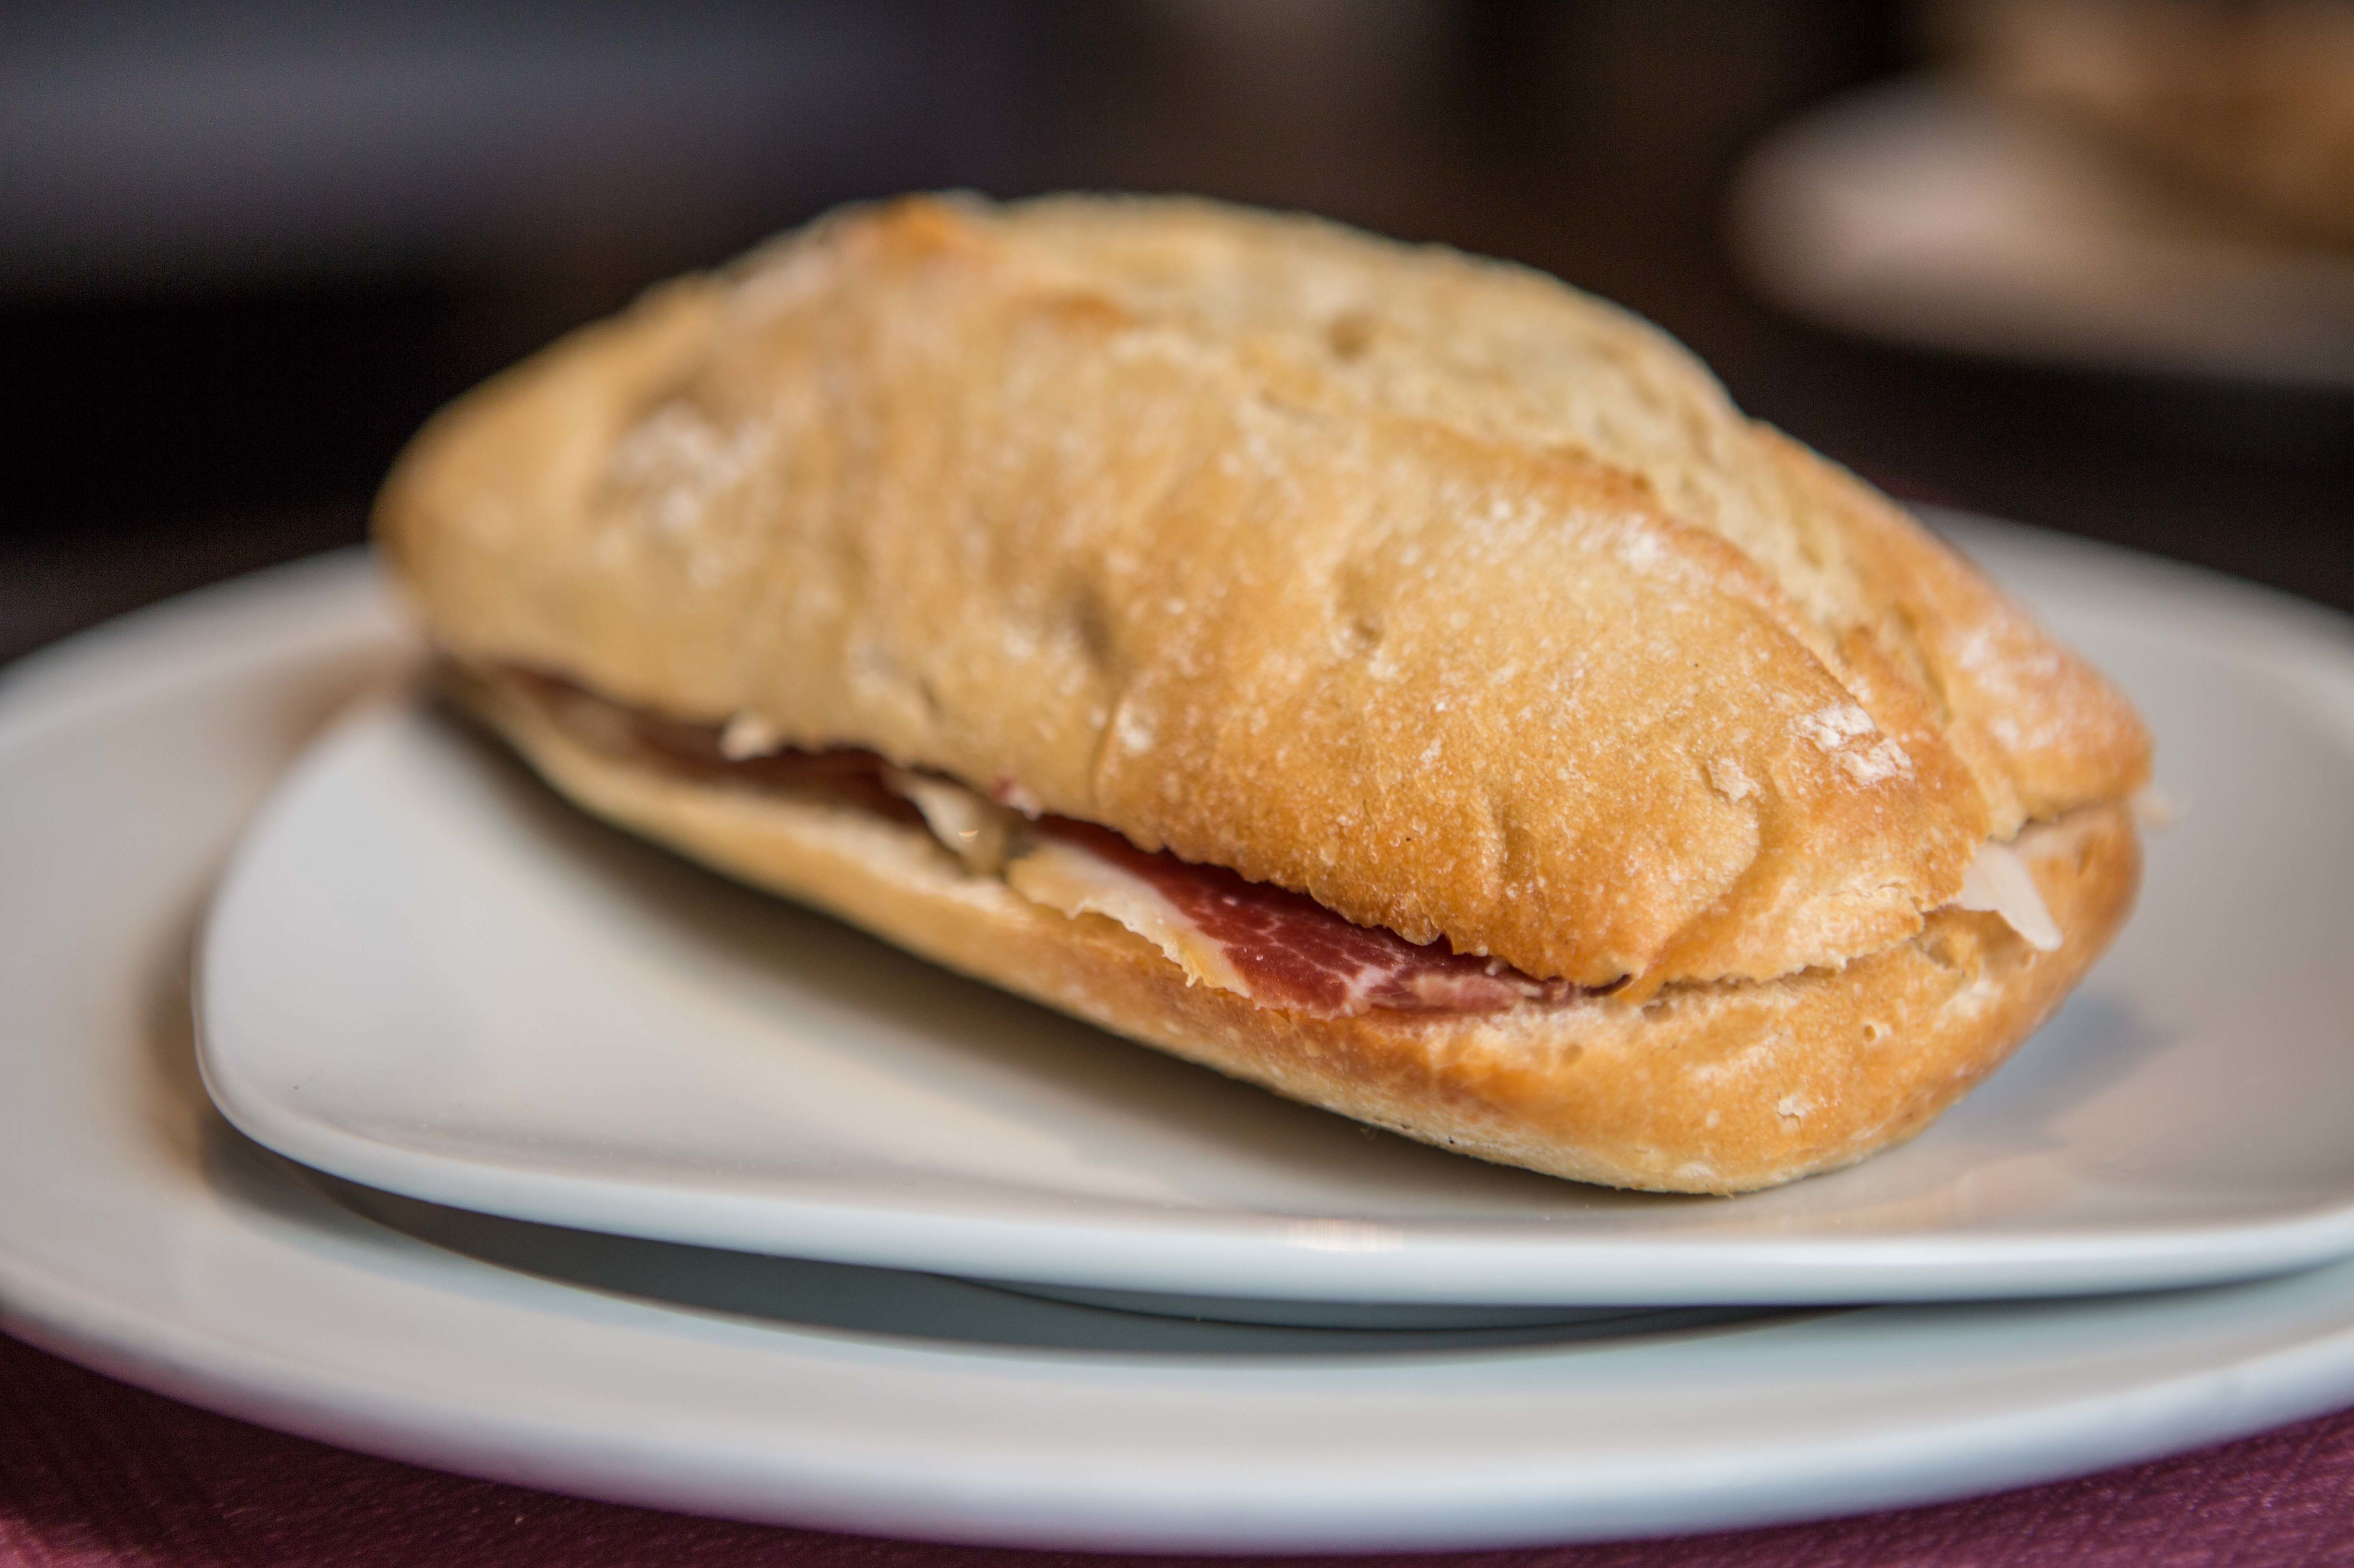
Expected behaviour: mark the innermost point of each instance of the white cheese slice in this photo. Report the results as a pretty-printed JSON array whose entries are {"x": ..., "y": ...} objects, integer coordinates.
[
  {"x": 1998, "y": 883},
  {"x": 748, "y": 736},
  {"x": 2155, "y": 810},
  {"x": 1066, "y": 877},
  {"x": 976, "y": 831}
]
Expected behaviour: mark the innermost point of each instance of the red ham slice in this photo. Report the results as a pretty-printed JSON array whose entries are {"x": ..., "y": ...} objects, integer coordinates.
[
  {"x": 1289, "y": 950},
  {"x": 1294, "y": 953}
]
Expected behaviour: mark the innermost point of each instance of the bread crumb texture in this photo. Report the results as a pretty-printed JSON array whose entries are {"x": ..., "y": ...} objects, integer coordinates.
[{"x": 1459, "y": 601}]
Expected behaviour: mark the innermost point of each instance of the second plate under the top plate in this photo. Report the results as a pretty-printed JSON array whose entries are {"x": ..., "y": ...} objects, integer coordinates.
[{"x": 427, "y": 974}]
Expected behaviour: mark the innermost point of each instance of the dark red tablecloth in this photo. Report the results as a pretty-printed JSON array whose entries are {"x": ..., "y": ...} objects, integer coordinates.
[{"x": 94, "y": 1472}]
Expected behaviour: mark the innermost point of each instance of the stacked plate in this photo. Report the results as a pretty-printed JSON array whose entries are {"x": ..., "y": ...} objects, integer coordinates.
[
  {"x": 1925, "y": 214},
  {"x": 543, "y": 1156}
]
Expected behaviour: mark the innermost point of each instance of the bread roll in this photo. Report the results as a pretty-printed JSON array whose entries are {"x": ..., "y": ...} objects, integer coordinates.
[{"x": 1636, "y": 757}]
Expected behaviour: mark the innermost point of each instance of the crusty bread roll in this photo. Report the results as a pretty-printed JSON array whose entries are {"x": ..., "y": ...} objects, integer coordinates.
[{"x": 1463, "y": 606}]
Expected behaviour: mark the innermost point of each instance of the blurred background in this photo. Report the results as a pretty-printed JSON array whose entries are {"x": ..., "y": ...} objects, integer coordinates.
[{"x": 2085, "y": 263}]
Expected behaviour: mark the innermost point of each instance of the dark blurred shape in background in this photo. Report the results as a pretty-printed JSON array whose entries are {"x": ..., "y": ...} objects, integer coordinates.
[{"x": 248, "y": 246}]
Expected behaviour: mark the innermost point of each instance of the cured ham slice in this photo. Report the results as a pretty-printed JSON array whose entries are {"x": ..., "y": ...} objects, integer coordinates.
[{"x": 1278, "y": 948}]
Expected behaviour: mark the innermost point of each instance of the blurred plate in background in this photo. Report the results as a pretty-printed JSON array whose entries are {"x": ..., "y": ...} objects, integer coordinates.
[{"x": 1926, "y": 216}]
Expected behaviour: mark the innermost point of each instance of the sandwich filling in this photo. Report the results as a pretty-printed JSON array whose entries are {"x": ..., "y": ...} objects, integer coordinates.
[{"x": 1277, "y": 947}]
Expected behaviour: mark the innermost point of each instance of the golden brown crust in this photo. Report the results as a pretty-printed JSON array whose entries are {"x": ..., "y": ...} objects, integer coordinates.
[
  {"x": 2040, "y": 730},
  {"x": 1429, "y": 587},
  {"x": 1708, "y": 1087}
]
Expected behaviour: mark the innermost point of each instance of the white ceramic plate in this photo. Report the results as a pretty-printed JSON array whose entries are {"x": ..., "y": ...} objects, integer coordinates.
[
  {"x": 426, "y": 973},
  {"x": 1919, "y": 214},
  {"x": 140, "y": 1234}
]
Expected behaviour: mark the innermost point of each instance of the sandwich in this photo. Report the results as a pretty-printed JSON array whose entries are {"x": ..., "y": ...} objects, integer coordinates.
[{"x": 1392, "y": 678}]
